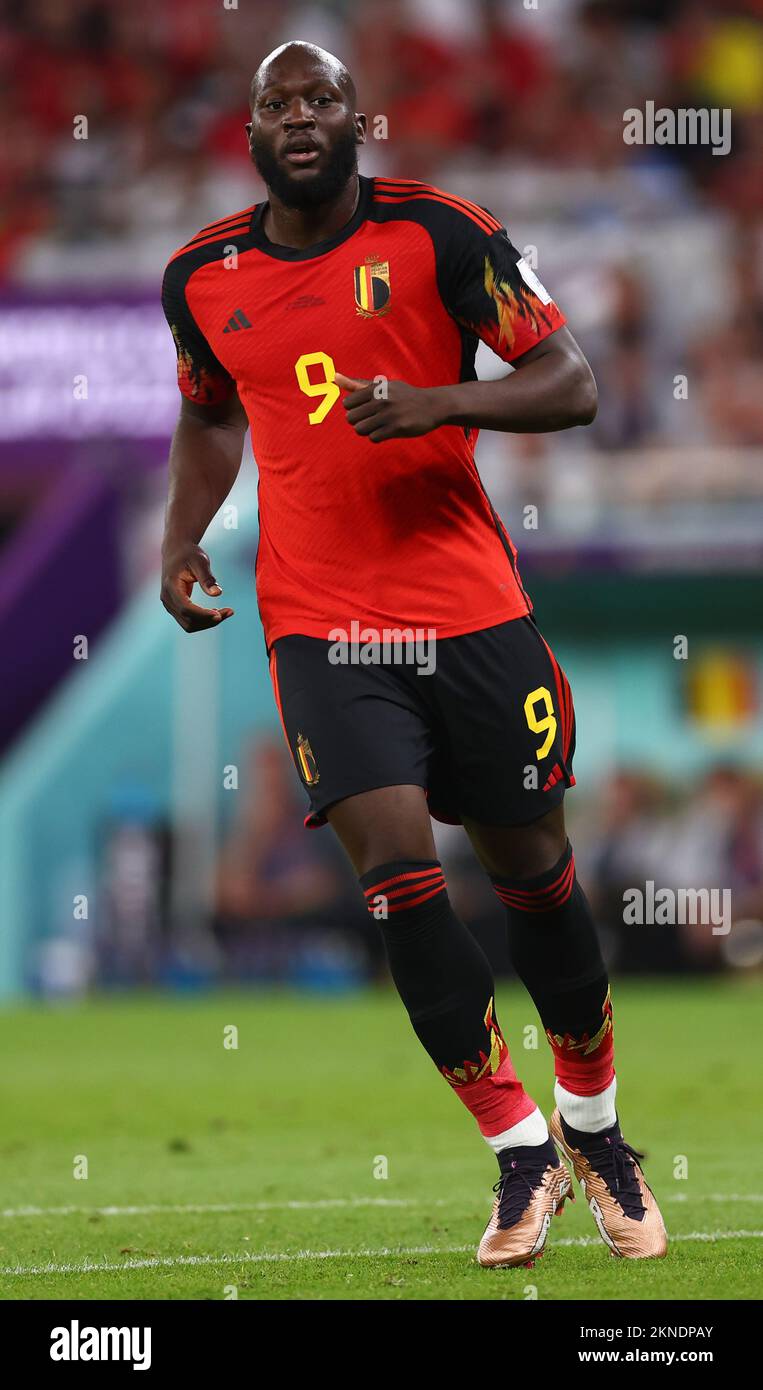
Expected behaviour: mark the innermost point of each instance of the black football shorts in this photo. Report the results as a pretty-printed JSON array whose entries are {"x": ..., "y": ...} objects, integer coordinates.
[{"x": 483, "y": 722}]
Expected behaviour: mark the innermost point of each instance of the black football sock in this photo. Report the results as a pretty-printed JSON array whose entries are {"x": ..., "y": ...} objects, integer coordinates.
[
  {"x": 554, "y": 947},
  {"x": 446, "y": 984}
]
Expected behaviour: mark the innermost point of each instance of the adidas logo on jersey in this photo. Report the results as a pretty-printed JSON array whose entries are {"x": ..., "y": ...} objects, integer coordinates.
[{"x": 237, "y": 320}]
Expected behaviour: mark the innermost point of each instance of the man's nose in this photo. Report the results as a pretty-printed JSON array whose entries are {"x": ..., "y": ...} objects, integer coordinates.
[{"x": 299, "y": 114}]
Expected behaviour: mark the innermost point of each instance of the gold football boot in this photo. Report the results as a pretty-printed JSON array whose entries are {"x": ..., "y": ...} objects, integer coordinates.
[
  {"x": 534, "y": 1184},
  {"x": 621, "y": 1203}
]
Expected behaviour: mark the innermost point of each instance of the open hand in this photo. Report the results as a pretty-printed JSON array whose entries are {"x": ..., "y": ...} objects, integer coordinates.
[{"x": 181, "y": 569}]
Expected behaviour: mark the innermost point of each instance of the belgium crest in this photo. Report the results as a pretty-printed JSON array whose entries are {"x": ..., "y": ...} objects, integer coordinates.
[
  {"x": 306, "y": 761},
  {"x": 372, "y": 289}
]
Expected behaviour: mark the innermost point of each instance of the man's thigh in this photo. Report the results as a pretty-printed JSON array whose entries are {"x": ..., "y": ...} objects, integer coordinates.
[
  {"x": 506, "y": 708},
  {"x": 350, "y": 729}
]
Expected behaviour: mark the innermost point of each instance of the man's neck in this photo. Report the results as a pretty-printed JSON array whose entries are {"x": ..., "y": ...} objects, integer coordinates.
[{"x": 304, "y": 227}]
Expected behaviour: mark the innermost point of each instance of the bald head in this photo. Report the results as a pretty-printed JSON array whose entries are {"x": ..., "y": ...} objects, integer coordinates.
[{"x": 309, "y": 58}]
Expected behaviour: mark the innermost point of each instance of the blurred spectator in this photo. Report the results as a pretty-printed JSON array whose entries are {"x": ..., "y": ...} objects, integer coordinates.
[
  {"x": 717, "y": 840},
  {"x": 712, "y": 838},
  {"x": 624, "y": 853},
  {"x": 622, "y": 366},
  {"x": 508, "y": 80},
  {"x": 628, "y": 812},
  {"x": 730, "y": 363},
  {"x": 132, "y": 938},
  {"x": 279, "y": 887}
]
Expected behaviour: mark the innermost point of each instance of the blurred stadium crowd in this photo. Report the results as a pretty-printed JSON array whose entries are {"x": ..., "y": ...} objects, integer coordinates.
[
  {"x": 655, "y": 253},
  {"x": 520, "y": 107},
  {"x": 286, "y": 908},
  {"x": 709, "y": 834},
  {"x": 540, "y": 86}
]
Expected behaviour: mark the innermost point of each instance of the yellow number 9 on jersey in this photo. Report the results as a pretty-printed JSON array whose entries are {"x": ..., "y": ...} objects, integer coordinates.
[
  {"x": 547, "y": 725},
  {"x": 326, "y": 388}
]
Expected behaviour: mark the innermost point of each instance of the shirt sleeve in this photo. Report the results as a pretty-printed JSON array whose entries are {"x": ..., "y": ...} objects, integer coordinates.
[
  {"x": 201, "y": 377},
  {"x": 490, "y": 289}
]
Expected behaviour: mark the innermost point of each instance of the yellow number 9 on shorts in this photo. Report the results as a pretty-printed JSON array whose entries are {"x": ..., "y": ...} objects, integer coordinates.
[{"x": 546, "y": 725}]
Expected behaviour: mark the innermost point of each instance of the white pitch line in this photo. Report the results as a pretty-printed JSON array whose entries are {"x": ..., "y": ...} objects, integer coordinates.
[
  {"x": 320, "y": 1204},
  {"x": 282, "y": 1256},
  {"x": 154, "y": 1209},
  {"x": 713, "y": 1197}
]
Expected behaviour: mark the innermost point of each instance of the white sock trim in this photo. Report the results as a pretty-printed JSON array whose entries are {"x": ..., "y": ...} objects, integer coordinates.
[
  {"x": 531, "y": 1130},
  {"x": 588, "y": 1113}
]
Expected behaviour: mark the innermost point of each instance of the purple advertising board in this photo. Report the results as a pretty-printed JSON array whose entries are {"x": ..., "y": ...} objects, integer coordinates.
[{"x": 88, "y": 402}]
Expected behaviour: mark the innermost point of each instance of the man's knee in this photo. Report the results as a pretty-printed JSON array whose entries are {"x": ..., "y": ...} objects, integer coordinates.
[
  {"x": 521, "y": 851},
  {"x": 383, "y": 826}
]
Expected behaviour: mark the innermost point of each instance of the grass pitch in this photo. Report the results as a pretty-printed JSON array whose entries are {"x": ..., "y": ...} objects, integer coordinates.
[{"x": 252, "y": 1172}]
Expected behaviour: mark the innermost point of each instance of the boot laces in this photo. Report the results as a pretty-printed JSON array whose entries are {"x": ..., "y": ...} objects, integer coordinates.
[
  {"x": 616, "y": 1162},
  {"x": 523, "y": 1176}
]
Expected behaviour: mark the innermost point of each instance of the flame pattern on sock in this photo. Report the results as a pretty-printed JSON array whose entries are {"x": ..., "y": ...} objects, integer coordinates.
[
  {"x": 585, "y": 1065},
  {"x": 488, "y": 1062},
  {"x": 585, "y": 1045}
]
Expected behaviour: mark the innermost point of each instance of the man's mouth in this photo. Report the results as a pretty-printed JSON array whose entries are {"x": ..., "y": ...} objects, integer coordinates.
[{"x": 302, "y": 152}]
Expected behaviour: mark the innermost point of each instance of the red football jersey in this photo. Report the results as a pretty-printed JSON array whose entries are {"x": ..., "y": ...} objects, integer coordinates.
[{"x": 393, "y": 535}]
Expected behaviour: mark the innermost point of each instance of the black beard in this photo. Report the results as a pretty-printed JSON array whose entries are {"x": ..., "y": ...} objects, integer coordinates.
[{"x": 324, "y": 188}]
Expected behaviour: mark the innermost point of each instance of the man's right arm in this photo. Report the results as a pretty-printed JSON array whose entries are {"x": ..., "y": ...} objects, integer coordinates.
[{"x": 205, "y": 458}]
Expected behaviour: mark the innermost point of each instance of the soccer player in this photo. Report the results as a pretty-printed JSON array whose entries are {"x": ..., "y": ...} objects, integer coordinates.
[{"x": 340, "y": 318}]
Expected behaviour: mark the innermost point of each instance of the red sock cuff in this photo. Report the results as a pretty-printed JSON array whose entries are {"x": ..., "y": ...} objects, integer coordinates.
[
  {"x": 498, "y": 1101},
  {"x": 403, "y": 885},
  {"x": 543, "y": 893}
]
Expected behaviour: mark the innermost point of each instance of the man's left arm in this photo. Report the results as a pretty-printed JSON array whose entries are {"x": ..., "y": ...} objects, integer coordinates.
[
  {"x": 552, "y": 388},
  {"x": 490, "y": 291}
]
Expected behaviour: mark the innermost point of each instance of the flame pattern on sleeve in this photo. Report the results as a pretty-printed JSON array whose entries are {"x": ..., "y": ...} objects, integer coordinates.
[
  {"x": 486, "y": 293},
  {"x": 195, "y": 381},
  {"x": 516, "y": 312}
]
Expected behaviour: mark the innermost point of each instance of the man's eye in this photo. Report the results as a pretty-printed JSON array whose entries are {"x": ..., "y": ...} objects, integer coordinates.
[
  {"x": 269, "y": 105},
  {"x": 325, "y": 100}
]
